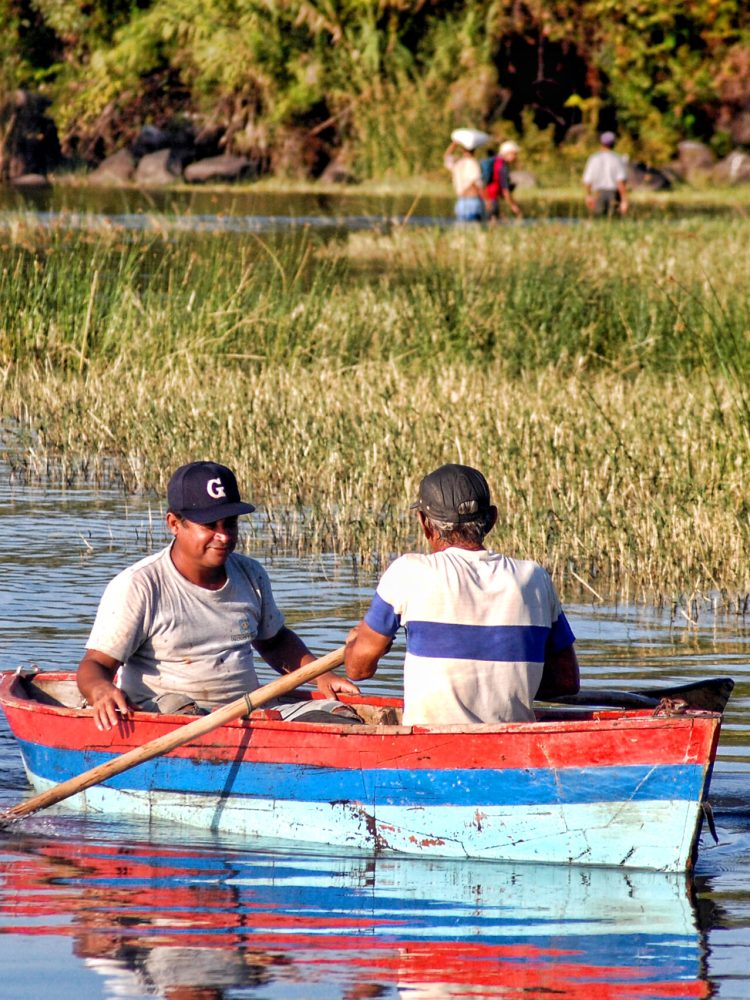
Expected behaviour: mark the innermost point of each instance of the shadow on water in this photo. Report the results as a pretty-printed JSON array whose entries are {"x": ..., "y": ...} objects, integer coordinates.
[{"x": 161, "y": 914}]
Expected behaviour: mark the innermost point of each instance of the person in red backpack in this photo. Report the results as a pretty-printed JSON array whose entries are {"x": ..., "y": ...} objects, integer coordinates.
[{"x": 497, "y": 183}]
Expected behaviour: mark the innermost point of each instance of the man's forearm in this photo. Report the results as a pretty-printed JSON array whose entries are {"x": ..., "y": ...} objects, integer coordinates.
[
  {"x": 93, "y": 676},
  {"x": 561, "y": 675},
  {"x": 285, "y": 652}
]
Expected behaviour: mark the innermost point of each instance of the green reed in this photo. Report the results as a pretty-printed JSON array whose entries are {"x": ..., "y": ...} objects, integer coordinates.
[
  {"x": 596, "y": 373},
  {"x": 643, "y": 296}
]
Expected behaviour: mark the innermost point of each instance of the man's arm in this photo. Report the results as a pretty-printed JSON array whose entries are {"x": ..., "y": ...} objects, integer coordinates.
[
  {"x": 512, "y": 203},
  {"x": 364, "y": 647},
  {"x": 561, "y": 675},
  {"x": 95, "y": 678},
  {"x": 622, "y": 187},
  {"x": 286, "y": 652}
]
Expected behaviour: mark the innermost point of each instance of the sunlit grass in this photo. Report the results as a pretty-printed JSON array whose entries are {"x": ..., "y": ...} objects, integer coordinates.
[
  {"x": 636, "y": 487},
  {"x": 597, "y": 374}
]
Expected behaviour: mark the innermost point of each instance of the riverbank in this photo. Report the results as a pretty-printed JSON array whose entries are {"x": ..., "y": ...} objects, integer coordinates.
[
  {"x": 425, "y": 200},
  {"x": 597, "y": 373}
]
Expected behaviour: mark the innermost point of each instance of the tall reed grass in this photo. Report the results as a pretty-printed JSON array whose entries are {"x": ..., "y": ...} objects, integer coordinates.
[
  {"x": 640, "y": 296},
  {"x": 597, "y": 375}
]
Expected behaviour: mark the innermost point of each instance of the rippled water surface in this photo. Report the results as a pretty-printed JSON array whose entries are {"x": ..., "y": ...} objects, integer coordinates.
[{"x": 126, "y": 910}]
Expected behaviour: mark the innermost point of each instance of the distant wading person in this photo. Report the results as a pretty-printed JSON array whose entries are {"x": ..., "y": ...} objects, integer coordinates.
[
  {"x": 467, "y": 182},
  {"x": 497, "y": 183},
  {"x": 181, "y": 625},
  {"x": 485, "y": 634},
  {"x": 605, "y": 180}
]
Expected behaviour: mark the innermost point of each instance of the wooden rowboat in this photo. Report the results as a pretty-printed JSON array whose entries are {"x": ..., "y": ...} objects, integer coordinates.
[{"x": 595, "y": 787}]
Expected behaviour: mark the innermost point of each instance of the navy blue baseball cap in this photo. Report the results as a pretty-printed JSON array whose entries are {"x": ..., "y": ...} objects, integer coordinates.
[
  {"x": 204, "y": 492},
  {"x": 453, "y": 493}
]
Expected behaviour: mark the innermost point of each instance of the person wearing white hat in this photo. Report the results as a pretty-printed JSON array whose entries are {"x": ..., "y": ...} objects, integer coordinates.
[
  {"x": 467, "y": 181},
  {"x": 605, "y": 179},
  {"x": 497, "y": 182}
]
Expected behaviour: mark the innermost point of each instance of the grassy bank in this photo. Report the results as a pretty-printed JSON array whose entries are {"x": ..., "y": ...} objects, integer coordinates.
[{"x": 597, "y": 374}]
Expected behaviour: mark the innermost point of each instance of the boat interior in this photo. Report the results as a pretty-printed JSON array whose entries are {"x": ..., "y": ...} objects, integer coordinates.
[{"x": 62, "y": 692}]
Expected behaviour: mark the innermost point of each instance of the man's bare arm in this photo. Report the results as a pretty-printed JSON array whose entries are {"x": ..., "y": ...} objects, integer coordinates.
[
  {"x": 95, "y": 677},
  {"x": 285, "y": 652},
  {"x": 364, "y": 647},
  {"x": 561, "y": 675}
]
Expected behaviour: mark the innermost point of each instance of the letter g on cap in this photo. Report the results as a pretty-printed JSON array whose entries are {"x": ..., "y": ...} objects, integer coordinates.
[{"x": 215, "y": 489}]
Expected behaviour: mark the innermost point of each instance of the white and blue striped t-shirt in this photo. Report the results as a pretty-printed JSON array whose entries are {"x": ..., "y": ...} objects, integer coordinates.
[{"x": 478, "y": 626}]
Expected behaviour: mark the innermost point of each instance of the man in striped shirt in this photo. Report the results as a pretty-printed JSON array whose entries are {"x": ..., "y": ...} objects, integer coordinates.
[{"x": 485, "y": 634}]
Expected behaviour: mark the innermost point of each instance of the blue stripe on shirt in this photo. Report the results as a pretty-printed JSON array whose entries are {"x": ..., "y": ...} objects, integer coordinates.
[
  {"x": 382, "y": 618},
  {"x": 561, "y": 635},
  {"x": 509, "y": 643}
]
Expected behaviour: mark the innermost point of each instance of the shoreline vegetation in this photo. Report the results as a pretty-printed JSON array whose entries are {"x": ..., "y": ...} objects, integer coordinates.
[
  {"x": 365, "y": 87},
  {"x": 597, "y": 373}
]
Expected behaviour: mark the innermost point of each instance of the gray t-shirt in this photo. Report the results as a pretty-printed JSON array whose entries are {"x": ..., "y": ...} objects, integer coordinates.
[
  {"x": 173, "y": 636},
  {"x": 604, "y": 171}
]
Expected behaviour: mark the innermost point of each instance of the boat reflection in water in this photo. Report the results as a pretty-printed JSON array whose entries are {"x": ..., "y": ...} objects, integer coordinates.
[{"x": 208, "y": 922}]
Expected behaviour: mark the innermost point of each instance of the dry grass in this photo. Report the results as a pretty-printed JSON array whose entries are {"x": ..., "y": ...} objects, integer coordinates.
[
  {"x": 598, "y": 374},
  {"x": 635, "y": 487}
]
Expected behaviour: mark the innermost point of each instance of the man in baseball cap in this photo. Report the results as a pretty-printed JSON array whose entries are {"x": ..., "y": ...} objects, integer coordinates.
[
  {"x": 455, "y": 493},
  {"x": 205, "y": 492},
  {"x": 485, "y": 633},
  {"x": 180, "y": 626},
  {"x": 605, "y": 179}
]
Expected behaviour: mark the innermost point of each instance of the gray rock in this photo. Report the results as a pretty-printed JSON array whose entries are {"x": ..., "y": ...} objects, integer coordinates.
[
  {"x": 523, "y": 179},
  {"x": 217, "y": 168},
  {"x": 149, "y": 140},
  {"x": 740, "y": 128},
  {"x": 641, "y": 175},
  {"x": 733, "y": 169},
  {"x": 116, "y": 169},
  {"x": 337, "y": 172},
  {"x": 695, "y": 157},
  {"x": 31, "y": 181},
  {"x": 155, "y": 169}
]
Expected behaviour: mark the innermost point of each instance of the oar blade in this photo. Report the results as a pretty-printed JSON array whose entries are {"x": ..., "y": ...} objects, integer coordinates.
[{"x": 711, "y": 694}]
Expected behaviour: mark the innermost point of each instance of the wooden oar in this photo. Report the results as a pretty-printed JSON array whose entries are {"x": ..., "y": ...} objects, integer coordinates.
[
  {"x": 711, "y": 695},
  {"x": 178, "y": 737}
]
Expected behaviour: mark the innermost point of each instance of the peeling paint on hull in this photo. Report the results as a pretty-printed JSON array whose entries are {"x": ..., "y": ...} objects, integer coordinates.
[{"x": 604, "y": 788}]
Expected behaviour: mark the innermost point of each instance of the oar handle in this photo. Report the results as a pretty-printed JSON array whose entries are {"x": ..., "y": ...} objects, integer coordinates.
[{"x": 179, "y": 736}]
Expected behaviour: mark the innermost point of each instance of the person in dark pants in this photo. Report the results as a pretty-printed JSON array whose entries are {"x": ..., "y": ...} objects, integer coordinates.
[{"x": 605, "y": 180}]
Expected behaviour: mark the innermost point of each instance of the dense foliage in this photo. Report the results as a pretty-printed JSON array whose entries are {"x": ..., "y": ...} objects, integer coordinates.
[{"x": 381, "y": 81}]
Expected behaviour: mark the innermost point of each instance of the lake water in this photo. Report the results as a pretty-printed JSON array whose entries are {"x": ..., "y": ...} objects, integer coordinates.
[
  {"x": 246, "y": 209},
  {"x": 94, "y": 909}
]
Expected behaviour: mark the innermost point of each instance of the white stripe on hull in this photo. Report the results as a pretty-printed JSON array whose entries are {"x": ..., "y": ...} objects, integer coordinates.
[{"x": 653, "y": 835}]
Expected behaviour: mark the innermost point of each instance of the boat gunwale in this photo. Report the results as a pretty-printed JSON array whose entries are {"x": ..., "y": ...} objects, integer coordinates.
[{"x": 572, "y": 719}]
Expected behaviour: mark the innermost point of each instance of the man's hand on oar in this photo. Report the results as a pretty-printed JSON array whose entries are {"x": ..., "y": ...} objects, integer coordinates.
[{"x": 177, "y": 737}]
